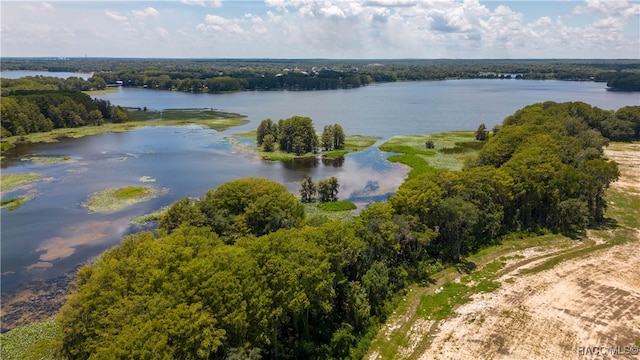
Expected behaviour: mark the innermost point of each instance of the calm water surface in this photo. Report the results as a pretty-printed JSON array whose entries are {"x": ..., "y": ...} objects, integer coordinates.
[
  {"x": 16, "y": 74},
  {"x": 53, "y": 233}
]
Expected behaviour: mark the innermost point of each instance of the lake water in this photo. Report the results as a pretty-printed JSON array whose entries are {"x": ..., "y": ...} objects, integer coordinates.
[
  {"x": 16, "y": 74},
  {"x": 53, "y": 233}
]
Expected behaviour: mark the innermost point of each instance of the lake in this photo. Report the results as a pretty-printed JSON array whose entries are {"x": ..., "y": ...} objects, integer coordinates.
[
  {"x": 52, "y": 234},
  {"x": 16, "y": 74}
]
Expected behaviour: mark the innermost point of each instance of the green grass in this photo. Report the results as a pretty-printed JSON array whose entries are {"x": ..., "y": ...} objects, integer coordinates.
[
  {"x": 33, "y": 341},
  {"x": 441, "y": 305},
  {"x": 109, "y": 90},
  {"x": 131, "y": 192},
  {"x": 117, "y": 198},
  {"x": 451, "y": 151},
  {"x": 342, "y": 205},
  {"x": 10, "y": 182}
]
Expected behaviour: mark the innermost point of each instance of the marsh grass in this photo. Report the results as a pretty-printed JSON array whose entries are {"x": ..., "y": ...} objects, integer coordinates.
[
  {"x": 216, "y": 120},
  {"x": 16, "y": 202},
  {"x": 117, "y": 198},
  {"x": 452, "y": 150},
  {"x": 213, "y": 119},
  {"x": 48, "y": 160},
  {"x": 10, "y": 182}
]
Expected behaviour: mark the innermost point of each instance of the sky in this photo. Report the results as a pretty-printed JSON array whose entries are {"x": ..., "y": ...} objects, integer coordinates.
[{"x": 333, "y": 29}]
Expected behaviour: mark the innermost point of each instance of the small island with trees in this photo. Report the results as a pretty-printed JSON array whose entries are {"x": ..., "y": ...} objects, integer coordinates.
[{"x": 296, "y": 137}]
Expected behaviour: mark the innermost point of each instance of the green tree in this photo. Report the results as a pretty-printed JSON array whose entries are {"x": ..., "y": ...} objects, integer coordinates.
[
  {"x": 308, "y": 189},
  {"x": 118, "y": 114},
  {"x": 338, "y": 137},
  {"x": 95, "y": 117},
  {"x": 250, "y": 206},
  {"x": 481, "y": 133},
  {"x": 268, "y": 143},
  {"x": 266, "y": 127},
  {"x": 327, "y": 137},
  {"x": 182, "y": 212},
  {"x": 296, "y": 134},
  {"x": 456, "y": 220},
  {"x": 328, "y": 189}
]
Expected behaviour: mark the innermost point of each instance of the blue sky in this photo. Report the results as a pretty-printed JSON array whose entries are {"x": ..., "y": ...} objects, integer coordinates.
[{"x": 469, "y": 29}]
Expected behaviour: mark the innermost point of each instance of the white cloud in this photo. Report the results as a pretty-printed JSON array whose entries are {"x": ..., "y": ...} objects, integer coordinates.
[
  {"x": 115, "y": 16},
  {"x": 149, "y": 11},
  {"x": 324, "y": 28},
  {"x": 220, "y": 24},
  {"x": 203, "y": 3},
  {"x": 163, "y": 33}
]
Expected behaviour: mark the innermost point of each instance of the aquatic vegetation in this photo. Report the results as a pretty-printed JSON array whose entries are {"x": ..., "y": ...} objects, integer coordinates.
[
  {"x": 118, "y": 198},
  {"x": 451, "y": 150},
  {"x": 146, "y": 218},
  {"x": 147, "y": 179},
  {"x": 34, "y": 341},
  {"x": 49, "y": 160},
  {"x": 16, "y": 202},
  {"x": 10, "y": 182}
]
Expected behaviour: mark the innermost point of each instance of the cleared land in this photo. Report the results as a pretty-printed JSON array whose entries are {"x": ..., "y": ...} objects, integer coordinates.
[{"x": 553, "y": 295}]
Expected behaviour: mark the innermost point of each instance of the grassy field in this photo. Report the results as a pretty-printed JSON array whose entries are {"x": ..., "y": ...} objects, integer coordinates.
[{"x": 451, "y": 151}]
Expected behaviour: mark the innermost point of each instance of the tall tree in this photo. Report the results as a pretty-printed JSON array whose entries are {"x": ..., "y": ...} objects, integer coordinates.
[
  {"x": 481, "y": 133},
  {"x": 308, "y": 189},
  {"x": 327, "y": 137},
  {"x": 338, "y": 137}
]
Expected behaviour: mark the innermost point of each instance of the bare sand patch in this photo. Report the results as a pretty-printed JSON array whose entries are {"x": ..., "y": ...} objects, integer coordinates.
[{"x": 591, "y": 301}]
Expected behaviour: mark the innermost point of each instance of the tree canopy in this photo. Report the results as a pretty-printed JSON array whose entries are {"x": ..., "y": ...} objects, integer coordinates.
[{"x": 239, "y": 273}]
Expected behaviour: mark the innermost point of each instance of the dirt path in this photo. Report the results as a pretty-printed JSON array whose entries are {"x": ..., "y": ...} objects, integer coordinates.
[{"x": 565, "y": 301}]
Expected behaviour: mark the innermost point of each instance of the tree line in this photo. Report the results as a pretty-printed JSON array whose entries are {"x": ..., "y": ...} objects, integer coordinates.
[
  {"x": 27, "y": 112},
  {"x": 242, "y": 273},
  {"x": 222, "y": 75}
]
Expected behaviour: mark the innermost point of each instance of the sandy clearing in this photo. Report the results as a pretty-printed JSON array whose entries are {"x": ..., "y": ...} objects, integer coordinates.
[{"x": 592, "y": 301}]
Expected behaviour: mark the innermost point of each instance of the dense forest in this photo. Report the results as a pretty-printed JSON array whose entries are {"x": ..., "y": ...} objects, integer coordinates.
[
  {"x": 41, "y": 104},
  {"x": 222, "y": 75},
  {"x": 242, "y": 273}
]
